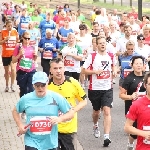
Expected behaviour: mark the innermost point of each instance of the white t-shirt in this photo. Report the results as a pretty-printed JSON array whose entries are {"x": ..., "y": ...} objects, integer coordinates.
[
  {"x": 103, "y": 81},
  {"x": 70, "y": 63},
  {"x": 102, "y": 21},
  {"x": 75, "y": 26},
  {"x": 23, "y": 6},
  {"x": 135, "y": 29}
]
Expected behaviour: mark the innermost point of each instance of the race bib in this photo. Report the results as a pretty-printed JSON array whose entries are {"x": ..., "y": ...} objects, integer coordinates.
[
  {"x": 32, "y": 42},
  {"x": 40, "y": 125},
  {"x": 24, "y": 26},
  {"x": 11, "y": 43},
  {"x": 9, "y": 17},
  {"x": 126, "y": 72},
  {"x": 104, "y": 75},
  {"x": 25, "y": 63},
  {"x": 64, "y": 39},
  {"x": 69, "y": 63},
  {"x": 146, "y": 128},
  {"x": 47, "y": 55}
]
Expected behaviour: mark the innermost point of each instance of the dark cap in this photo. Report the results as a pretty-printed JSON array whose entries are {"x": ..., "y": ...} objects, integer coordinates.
[{"x": 140, "y": 37}]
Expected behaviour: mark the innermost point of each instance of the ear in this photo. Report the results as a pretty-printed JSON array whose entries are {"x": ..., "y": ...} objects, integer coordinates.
[{"x": 145, "y": 86}]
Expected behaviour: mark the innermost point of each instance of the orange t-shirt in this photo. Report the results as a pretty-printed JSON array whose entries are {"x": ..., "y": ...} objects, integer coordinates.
[{"x": 9, "y": 46}]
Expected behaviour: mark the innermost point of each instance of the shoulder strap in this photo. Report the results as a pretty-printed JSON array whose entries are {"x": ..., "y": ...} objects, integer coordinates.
[{"x": 93, "y": 58}]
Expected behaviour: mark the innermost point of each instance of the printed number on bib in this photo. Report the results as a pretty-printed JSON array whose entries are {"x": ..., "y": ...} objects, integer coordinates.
[
  {"x": 47, "y": 55},
  {"x": 11, "y": 43},
  {"x": 24, "y": 26},
  {"x": 104, "y": 75},
  {"x": 25, "y": 63},
  {"x": 69, "y": 63},
  {"x": 126, "y": 72},
  {"x": 146, "y": 128},
  {"x": 40, "y": 125}
]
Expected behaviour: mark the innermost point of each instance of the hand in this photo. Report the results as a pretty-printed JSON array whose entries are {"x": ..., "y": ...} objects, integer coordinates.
[
  {"x": 21, "y": 52},
  {"x": 54, "y": 49},
  {"x": 134, "y": 95},
  {"x": 55, "y": 120},
  {"x": 99, "y": 71},
  {"x": 146, "y": 135},
  {"x": 115, "y": 74},
  {"x": 21, "y": 129},
  {"x": 6, "y": 38},
  {"x": 41, "y": 50}
]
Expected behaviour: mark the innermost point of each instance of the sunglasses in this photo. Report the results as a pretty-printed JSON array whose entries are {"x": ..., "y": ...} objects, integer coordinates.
[
  {"x": 26, "y": 38},
  {"x": 40, "y": 85}
]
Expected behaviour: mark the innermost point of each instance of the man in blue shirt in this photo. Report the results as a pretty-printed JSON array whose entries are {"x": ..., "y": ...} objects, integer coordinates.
[
  {"x": 41, "y": 107},
  {"x": 47, "y": 24},
  {"x": 48, "y": 46},
  {"x": 23, "y": 22}
]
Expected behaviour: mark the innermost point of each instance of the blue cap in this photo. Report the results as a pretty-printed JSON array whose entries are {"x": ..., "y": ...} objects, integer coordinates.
[{"x": 39, "y": 77}]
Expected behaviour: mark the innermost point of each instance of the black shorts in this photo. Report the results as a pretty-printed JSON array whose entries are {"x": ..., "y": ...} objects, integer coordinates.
[
  {"x": 67, "y": 141},
  {"x": 101, "y": 98},
  {"x": 6, "y": 61},
  {"x": 75, "y": 75},
  {"x": 32, "y": 148}
]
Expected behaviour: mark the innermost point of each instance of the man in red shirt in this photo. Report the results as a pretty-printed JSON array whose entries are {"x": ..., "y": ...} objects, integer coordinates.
[
  {"x": 140, "y": 111},
  {"x": 133, "y": 13}
]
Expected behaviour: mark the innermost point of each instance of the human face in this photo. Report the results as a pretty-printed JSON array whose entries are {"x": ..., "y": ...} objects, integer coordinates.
[
  {"x": 71, "y": 39},
  {"x": 101, "y": 45},
  {"x": 138, "y": 65},
  {"x": 94, "y": 44},
  {"x": 40, "y": 89},
  {"x": 49, "y": 35},
  {"x": 132, "y": 20},
  {"x": 9, "y": 26},
  {"x": 112, "y": 26},
  {"x": 57, "y": 70},
  {"x": 130, "y": 49},
  {"x": 124, "y": 17},
  {"x": 23, "y": 12},
  {"x": 140, "y": 42},
  {"x": 128, "y": 31},
  {"x": 96, "y": 27},
  {"x": 26, "y": 39},
  {"x": 66, "y": 23},
  {"x": 35, "y": 13},
  {"x": 146, "y": 31}
]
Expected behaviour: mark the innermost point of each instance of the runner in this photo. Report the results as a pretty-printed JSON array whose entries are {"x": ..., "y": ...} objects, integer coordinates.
[
  {"x": 47, "y": 24},
  {"x": 125, "y": 59},
  {"x": 72, "y": 55},
  {"x": 143, "y": 121},
  {"x": 8, "y": 13},
  {"x": 100, "y": 91},
  {"x": 48, "y": 47},
  {"x": 41, "y": 107},
  {"x": 8, "y": 39},
  {"x": 67, "y": 131}
]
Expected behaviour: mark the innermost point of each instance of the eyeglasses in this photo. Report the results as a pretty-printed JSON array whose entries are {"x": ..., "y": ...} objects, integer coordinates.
[
  {"x": 40, "y": 85},
  {"x": 26, "y": 38}
]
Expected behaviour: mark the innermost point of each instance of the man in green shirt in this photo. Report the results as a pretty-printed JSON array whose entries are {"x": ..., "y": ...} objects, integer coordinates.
[
  {"x": 36, "y": 18},
  {"x": 80, "y": 16},
  {"x": 30, "y": 8}
]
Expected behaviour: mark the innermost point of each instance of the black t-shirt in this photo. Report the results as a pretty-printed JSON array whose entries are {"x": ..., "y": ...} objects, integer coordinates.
[
  {"x": 94, "y": 35},
  {"x": 131, "y": 82}
]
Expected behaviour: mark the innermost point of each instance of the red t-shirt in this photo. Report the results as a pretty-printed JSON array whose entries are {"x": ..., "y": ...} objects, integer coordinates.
[
  {"x": 147, "y": 41},
  {"x": 135, "y": 15},
  {"x": 140, "y": 111},
  {"x": 60, "y": 21}
]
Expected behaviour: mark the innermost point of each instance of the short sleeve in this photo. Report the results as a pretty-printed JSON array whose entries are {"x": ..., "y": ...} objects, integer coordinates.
[
  {"x": 80, "y": 93},
  {"x": 20, "y": 107},
  {"x": 40, "y": 43},
  {"x": 57, "y": 44},
  {"x": 126, "y": 83},
  {"x": 133, "y": 112},
  {"x": 87, "y": 62}
]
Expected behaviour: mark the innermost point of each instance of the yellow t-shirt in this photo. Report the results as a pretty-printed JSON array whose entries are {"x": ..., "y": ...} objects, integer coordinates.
[{"x": 72, "y": 91}]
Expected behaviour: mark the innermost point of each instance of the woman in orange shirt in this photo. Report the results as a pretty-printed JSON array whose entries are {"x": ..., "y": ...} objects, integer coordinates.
[{"x": 8, "y": 39}]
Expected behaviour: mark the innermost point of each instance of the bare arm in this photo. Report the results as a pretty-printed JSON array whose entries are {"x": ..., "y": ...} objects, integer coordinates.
[
  {"x": 123, "y": 94},
  {"x": 80, "y": 105}
]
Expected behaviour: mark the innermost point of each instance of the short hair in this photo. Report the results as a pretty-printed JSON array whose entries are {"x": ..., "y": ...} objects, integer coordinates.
[
  {"x": 49, "y": 30},
  {"x": 137, "y": 57},
  {"x": 94, "y": 23},
  {"x": 127, "y": 26},
  {"x": 146, "y": 78},
  {"x": 130, "y": 42},
  {"x": 99, "y": 37},
  {"x": 55, "y": 60}
]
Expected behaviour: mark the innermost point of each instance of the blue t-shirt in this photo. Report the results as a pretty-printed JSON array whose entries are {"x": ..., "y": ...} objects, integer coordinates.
[
  {"x": 46, "y": 25},
  {"x": 43, "y": 15},
  {"x": 34, "y": 34},
  {"x": 66, "y": 9},
  {"x": 125, "y": 63},
  {"x": 23, "y": 24},
  {"x": 55, "y": 12},
  {"x": 37, "y": 108},
  {"x": 48, "y": 45},
  {"x": 64, "y": 32}
]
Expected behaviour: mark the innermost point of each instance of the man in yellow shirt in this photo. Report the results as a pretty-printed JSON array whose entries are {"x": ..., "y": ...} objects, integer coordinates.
[{"x": 71, "y": 89}]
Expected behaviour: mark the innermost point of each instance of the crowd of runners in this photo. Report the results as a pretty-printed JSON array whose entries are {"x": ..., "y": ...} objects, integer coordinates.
[{"x": 75, "y": 56}]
